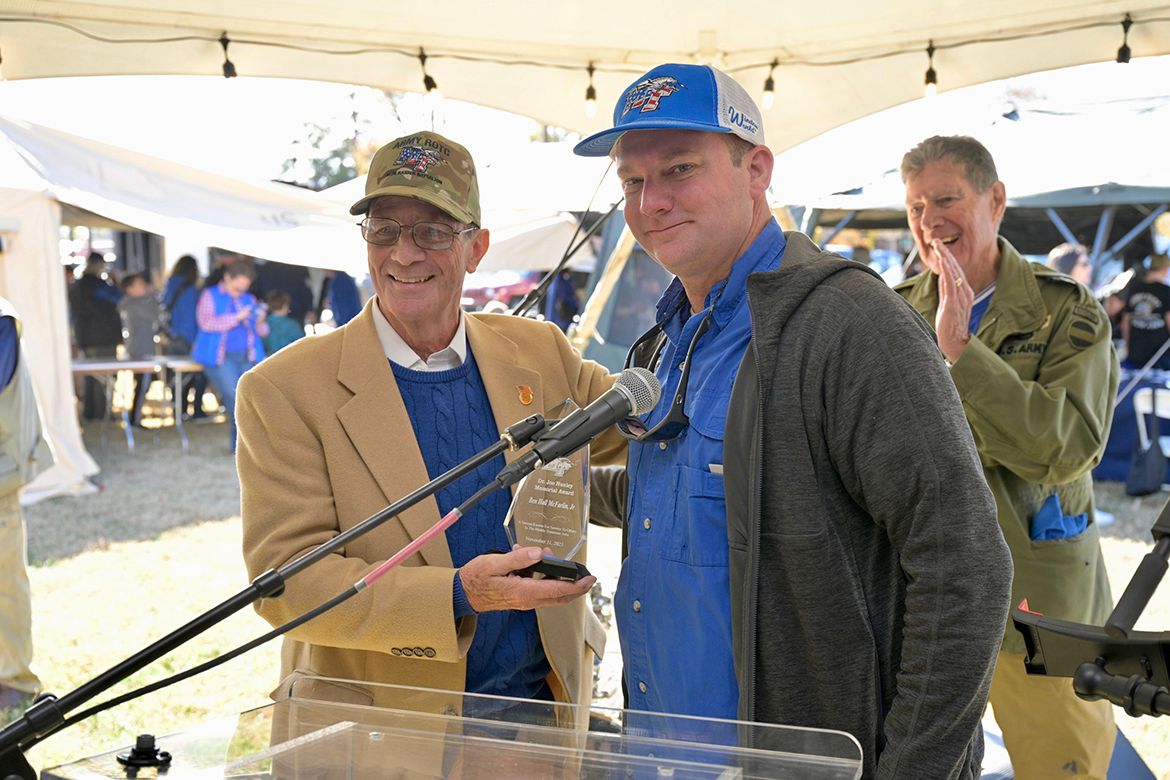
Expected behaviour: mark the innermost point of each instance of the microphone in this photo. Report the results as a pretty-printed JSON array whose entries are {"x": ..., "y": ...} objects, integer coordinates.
[{"x": 636, "y": 392}]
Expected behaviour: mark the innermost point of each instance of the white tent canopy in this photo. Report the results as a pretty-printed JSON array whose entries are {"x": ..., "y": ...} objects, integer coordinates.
[{"x": 532, "y": 60}]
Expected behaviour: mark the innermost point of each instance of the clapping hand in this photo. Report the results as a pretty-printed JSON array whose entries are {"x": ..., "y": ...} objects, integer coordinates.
[{"x": 955, "y": 299}]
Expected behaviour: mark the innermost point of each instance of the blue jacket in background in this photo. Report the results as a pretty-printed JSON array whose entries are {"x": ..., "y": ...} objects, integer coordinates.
[
  {"x": 180, "y": 301},
  {"x": 344, "y": 300}
]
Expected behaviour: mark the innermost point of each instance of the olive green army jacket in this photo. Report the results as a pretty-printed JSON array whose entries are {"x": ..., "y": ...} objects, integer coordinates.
[{"x": 1037, "y": 383}]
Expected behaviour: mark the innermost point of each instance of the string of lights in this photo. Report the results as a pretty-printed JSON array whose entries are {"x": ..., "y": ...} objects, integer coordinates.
[{"x": 430, "y": 86}]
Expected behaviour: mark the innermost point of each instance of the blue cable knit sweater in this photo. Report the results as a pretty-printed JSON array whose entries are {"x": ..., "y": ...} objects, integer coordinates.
[{"x": 452, "y": 420}]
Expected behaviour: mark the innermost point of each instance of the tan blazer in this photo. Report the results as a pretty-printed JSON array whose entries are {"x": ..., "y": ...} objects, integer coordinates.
[{"x": 325, "y": 441}]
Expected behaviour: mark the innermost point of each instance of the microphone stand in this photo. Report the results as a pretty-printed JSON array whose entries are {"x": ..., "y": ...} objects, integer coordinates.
[
  {"x": 1125, "y": 667},
  {"x": 46, "y": 715}
]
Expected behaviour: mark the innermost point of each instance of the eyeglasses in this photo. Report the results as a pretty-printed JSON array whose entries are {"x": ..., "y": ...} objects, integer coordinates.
[
  {"x": 426, "y": 235},
  {"x": 675, "y": 421}
]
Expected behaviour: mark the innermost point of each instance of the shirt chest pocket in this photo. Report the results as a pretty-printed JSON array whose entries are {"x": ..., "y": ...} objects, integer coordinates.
[
  {"x": 699, "y": 534},
  {"x": 706, "y": 408}
]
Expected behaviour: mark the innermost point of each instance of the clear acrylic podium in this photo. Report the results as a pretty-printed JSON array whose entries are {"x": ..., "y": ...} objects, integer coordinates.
[{"x": 439, "y": 734}]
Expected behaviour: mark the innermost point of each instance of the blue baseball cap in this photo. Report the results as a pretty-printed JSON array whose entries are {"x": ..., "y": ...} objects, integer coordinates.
[{"x": 680, "y": 97}]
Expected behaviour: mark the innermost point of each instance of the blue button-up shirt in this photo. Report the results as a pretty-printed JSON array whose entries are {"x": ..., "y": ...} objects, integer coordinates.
[{"x": 673, "y": 600}]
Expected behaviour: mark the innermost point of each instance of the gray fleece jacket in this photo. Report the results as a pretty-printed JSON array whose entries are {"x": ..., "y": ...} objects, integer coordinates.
[{"x": 869, "y": 575}]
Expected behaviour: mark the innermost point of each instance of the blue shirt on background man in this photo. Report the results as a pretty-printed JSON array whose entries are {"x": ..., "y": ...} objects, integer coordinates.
[
  {"x": 9, "y": 350},
  {"x": 673, "y": 600},
  {"x": 344, "y": 300}
]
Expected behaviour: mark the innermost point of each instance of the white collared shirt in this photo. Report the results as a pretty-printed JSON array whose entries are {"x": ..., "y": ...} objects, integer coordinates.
[{"x": 398, "y": 351}]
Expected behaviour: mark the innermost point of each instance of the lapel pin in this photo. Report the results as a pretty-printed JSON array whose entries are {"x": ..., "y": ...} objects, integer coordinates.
[{"x": 525, "y": 394}]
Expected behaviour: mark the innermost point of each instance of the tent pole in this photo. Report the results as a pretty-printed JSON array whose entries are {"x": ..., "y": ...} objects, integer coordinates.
[{"x": 1061, "y": 228}]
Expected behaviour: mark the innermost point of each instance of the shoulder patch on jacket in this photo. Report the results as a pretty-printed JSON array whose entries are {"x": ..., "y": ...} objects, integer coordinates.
[
  {"x": 1082, "y": 333},
  {"x": 1087, "y": 311}
]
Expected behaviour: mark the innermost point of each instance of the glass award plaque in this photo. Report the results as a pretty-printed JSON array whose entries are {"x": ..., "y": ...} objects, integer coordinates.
[{"x": 550, "y": 510}]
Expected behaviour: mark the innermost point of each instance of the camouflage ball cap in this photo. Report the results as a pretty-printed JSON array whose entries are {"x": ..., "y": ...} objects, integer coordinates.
[{"x": 428, "y": 167}]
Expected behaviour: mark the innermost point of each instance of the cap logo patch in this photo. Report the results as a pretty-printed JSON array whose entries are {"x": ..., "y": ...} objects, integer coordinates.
[
  {"x": 417, "y": 159},
  {"x": 647, "y": 93},
  {"x": 740, "y": 119}
]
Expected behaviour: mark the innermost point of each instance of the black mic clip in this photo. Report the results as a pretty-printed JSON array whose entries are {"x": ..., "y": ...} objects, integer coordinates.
[{"x": 520, "y": 433}]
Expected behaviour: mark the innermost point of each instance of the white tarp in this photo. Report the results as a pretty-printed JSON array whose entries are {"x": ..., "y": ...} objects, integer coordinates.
[
  {"x": 31, "y": 277},
  {"x": 272, "y": 221},
  {"x": 466, "y": 42},
  {"x": 533, "y": 242}
]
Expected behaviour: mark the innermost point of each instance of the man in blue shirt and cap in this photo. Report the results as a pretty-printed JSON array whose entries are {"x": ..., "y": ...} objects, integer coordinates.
[{"x": 810, "y": 540}]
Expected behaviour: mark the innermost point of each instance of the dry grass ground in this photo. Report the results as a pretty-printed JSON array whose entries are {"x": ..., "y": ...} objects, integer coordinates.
[{"x": 161, "y": 543}]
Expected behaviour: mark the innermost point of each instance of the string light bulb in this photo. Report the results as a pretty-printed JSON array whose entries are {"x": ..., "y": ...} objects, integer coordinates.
[
  {"x": 1123, "y": 53},
  {"x": 229, "y": 68},
  {"x": 770, "y": 86},
  {"x": 429, "y": 85},
  {"x": 590, "y": 94},
  {"x": 931, "y": 76}
]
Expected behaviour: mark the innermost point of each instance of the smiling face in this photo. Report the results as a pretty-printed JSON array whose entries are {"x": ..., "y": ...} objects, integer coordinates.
[
  {"x": 419, "y": 289},
  {"x": 689, "y": 206},
  {"x": 942, "y": 204}
]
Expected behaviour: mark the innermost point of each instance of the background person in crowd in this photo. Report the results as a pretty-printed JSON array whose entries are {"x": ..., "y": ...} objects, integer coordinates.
[
  {"x": 293, "y": 279},
  {"x": 561, "y": 304},
  {"x": 220, "y": 260},
  {"x": 231, "y": 328},
  {"x": 339, "y": 294},
  {"x": 141, "y": 312},
  {"x": 1145, "y": 320},
  {"x": 1072, "y": 260},
  {"x": 97, "y": 326},
  {"x": 333, "y": 428},
  {"x": 282, "y": 329},
  {"x": 180, "y": 299},
  {"x": 1031, "y": 355},
  {"x": 780, "y": 567},
  {"x": 23, "y": 455}
]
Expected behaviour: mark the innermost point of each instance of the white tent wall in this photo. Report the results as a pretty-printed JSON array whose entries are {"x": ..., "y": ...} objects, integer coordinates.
[{"x": 32, "y": 278}]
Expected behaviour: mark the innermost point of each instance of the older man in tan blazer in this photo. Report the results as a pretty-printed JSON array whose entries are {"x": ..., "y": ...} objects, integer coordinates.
[{"x": 335, "y": 427}]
